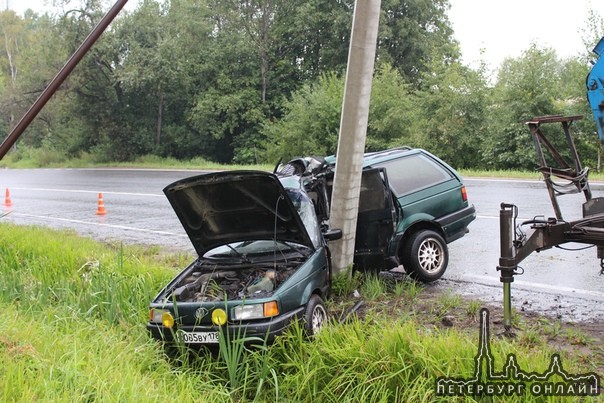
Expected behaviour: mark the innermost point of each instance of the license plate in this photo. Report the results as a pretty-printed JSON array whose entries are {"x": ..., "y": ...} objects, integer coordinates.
[{"x": 199, "y": 337}]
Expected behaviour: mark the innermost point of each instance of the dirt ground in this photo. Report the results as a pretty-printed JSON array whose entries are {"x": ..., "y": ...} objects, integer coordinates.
[{"x": 433, "y": 307}]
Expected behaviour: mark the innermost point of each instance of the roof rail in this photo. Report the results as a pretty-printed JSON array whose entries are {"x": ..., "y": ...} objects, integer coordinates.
[{"x": 388, "y": 151}]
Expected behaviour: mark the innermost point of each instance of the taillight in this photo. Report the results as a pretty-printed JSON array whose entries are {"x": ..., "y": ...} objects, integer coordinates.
[{"x": 464, "y": 194}]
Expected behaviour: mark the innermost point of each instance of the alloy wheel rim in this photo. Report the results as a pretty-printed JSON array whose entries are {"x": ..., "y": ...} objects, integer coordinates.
[
  {"x": 430, "y": 255},
  {"x": 318, "y": 318}
]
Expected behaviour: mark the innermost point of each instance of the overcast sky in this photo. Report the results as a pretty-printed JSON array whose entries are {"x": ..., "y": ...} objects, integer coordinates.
[
  {"x": 501, "y": 28},
  {"x": 507, "y": 28}
]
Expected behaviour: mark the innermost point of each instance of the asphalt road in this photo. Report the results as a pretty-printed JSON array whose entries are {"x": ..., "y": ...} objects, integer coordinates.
[
  {"x": 561, "y": 283},
  {"x": 137, "y": 210}
]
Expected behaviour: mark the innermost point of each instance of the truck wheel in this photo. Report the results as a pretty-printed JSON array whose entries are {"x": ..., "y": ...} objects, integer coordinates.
[
  {"x": 315, "y": 316},
  {"x": 425, "y": 256}
]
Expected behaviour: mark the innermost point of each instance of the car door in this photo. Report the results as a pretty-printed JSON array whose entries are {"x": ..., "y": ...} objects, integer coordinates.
[{"x": 376, "y": 219}]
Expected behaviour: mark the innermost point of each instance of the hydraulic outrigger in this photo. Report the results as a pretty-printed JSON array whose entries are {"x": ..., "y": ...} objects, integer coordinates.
[{"x": 515, "y": 245}]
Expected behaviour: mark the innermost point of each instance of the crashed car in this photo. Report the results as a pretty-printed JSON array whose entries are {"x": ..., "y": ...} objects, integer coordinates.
[
  {"x": 411, "y": 206},
  {"x": 263, "y": 260}
]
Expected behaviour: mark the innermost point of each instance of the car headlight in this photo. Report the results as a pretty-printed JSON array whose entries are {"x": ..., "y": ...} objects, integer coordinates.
[
  {"x": 162, "y": 316},
  {"x": 256, "y": 311}
]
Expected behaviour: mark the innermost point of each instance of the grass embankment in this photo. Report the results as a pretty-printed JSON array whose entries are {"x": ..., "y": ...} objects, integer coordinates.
[
  {"x": 72, "y": 328},
  {"x": 43, "y": 158}
]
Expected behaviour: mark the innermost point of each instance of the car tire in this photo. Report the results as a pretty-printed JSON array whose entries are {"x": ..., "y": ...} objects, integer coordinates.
[
  {"x": 425, "y": 256},
  {"x": 315, "y": 316}
]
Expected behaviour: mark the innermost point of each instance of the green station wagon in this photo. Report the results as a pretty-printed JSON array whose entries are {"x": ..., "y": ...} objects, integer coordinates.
[
  {"x": 412, "y": 204},
  {"x": 263, "y": 260},
  {"x": 262, "y": 241}
]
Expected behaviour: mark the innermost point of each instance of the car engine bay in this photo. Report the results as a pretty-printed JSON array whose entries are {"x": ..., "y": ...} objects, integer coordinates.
[{"x": 231, "y": 282}]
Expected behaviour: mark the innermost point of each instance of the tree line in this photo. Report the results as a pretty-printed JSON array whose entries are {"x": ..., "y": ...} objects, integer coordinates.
[{"x": 252, "y": 81}]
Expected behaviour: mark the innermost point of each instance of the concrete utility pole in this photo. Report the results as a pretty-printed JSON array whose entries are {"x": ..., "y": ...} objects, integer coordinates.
[{"x": 353, "y": 130}]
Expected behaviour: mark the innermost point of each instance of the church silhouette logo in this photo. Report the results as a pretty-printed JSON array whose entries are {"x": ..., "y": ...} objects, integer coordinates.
[{"x": 512, "y": 380}]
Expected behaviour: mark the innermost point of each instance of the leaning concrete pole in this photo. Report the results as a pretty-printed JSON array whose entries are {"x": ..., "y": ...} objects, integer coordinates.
[{"x": 353, "y": 130}]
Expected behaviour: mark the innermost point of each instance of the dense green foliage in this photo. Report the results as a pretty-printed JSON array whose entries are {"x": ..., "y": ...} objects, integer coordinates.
[
  {"x": 72, "y": 317},
  {"x": 254, "y": 81}
]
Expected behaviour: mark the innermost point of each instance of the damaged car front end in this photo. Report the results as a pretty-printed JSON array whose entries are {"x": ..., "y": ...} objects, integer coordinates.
[{"x": 263, "y": 260}]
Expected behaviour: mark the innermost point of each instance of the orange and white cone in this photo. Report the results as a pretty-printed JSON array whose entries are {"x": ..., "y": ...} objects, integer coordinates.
[
  {"x": 7, "y": 201},
  {"x": 101, "y": 206}
]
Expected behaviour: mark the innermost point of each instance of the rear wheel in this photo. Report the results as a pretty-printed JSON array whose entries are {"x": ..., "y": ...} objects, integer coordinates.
[
  {"x": 315, "y": 316},
  {"x": 425, "y": 256}
]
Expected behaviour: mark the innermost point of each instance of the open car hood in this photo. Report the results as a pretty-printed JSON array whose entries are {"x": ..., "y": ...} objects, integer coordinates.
[{"x": 224, "y": 207}]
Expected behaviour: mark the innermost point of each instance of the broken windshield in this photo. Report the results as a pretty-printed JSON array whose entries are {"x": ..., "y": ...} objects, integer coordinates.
[
  {"x": 306, "y": 210},
  {"x": 249, "y": 249}
]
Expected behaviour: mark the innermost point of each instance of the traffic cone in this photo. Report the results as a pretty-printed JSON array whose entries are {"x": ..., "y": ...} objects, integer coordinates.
[
  {"x": 101, "y": 206},
  {"x": 7, "y": 201}
]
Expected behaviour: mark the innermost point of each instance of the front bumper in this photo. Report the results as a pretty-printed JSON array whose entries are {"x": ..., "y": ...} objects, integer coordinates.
[{"x": 263, "y": 329}]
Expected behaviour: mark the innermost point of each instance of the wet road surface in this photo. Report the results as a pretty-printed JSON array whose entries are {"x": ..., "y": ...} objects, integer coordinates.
[
  {"x": 137, "y": 210},
  {"x": 560, "y": 283}
]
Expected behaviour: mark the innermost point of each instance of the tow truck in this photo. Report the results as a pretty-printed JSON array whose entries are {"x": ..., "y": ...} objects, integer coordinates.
[{"x": 563, "y": 174}]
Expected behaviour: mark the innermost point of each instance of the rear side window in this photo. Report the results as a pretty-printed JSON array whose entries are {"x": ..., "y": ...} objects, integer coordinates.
[
  {"x": 373, "y": 192},
  {"x": 414, "y": 172}
]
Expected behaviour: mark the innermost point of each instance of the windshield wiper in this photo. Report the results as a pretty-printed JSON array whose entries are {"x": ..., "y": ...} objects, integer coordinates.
[
  {"x": 243, "y": 257},
  {"x": 302, "y": 250}
]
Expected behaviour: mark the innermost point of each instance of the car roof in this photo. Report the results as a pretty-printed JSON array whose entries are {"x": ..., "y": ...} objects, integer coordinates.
[
  {"x": 385, "y": 155},
  {"x": 371, "y": 159},
  {"x": 374, "y": 157}
]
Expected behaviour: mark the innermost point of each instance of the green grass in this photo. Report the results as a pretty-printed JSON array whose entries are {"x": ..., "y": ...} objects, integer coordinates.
[
  {"x": 72, "y": 329},
  {"x": 47, "y": 158},
  {"x": 505, "y": 173}
]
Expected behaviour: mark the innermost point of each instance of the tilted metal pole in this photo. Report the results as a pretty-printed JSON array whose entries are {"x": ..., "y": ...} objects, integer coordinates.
[{"x": 56, "y": 82}]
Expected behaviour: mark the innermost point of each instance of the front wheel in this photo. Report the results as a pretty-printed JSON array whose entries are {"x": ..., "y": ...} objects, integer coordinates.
[
  {"x": 315, "y": 316},
  {"x": 425, "y": 256}
]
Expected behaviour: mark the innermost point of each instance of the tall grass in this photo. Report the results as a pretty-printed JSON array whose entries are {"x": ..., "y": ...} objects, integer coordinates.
[
  {"x": 26, "y": 157},
  {"x": 45, "y": 157},
  {"x": 72, "y": 329}
]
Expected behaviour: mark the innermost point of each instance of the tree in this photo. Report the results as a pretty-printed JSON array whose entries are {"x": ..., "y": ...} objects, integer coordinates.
[
  {"x": 188, "y": 78},
  {"x": 310, "y": 123},
  {"x": 572, "y": 100},
  {"x": 313, "y": 38},
  {"x": 29, "y": 58},
  {"x": 95, "y": 96},
  {"x": 592, "y": 32},
  {"x": 451, "y": 112},
  {"x": 312, "y": 116},
  {"x": 413, "y": 33},
  {"x": 227, "y": 109},
  {"x": 161, "y": 44},
  {"x": 526, "y": 87},
  {"x": 14, "y": 38}
]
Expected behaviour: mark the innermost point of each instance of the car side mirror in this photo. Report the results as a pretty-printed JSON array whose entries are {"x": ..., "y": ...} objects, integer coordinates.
[{"x": 332, "y": 234}]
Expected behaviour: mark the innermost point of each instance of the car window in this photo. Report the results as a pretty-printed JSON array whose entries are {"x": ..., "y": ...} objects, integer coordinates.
[
  {"x": 246, "y": 249},
  {"x": 373, "y": 192},
  {"x": 414, "y": 172},
  {"x": 306, "y": 211}
]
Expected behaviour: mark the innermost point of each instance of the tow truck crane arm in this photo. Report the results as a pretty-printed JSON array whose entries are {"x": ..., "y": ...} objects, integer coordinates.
[{"x": 562, "y": 174}]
